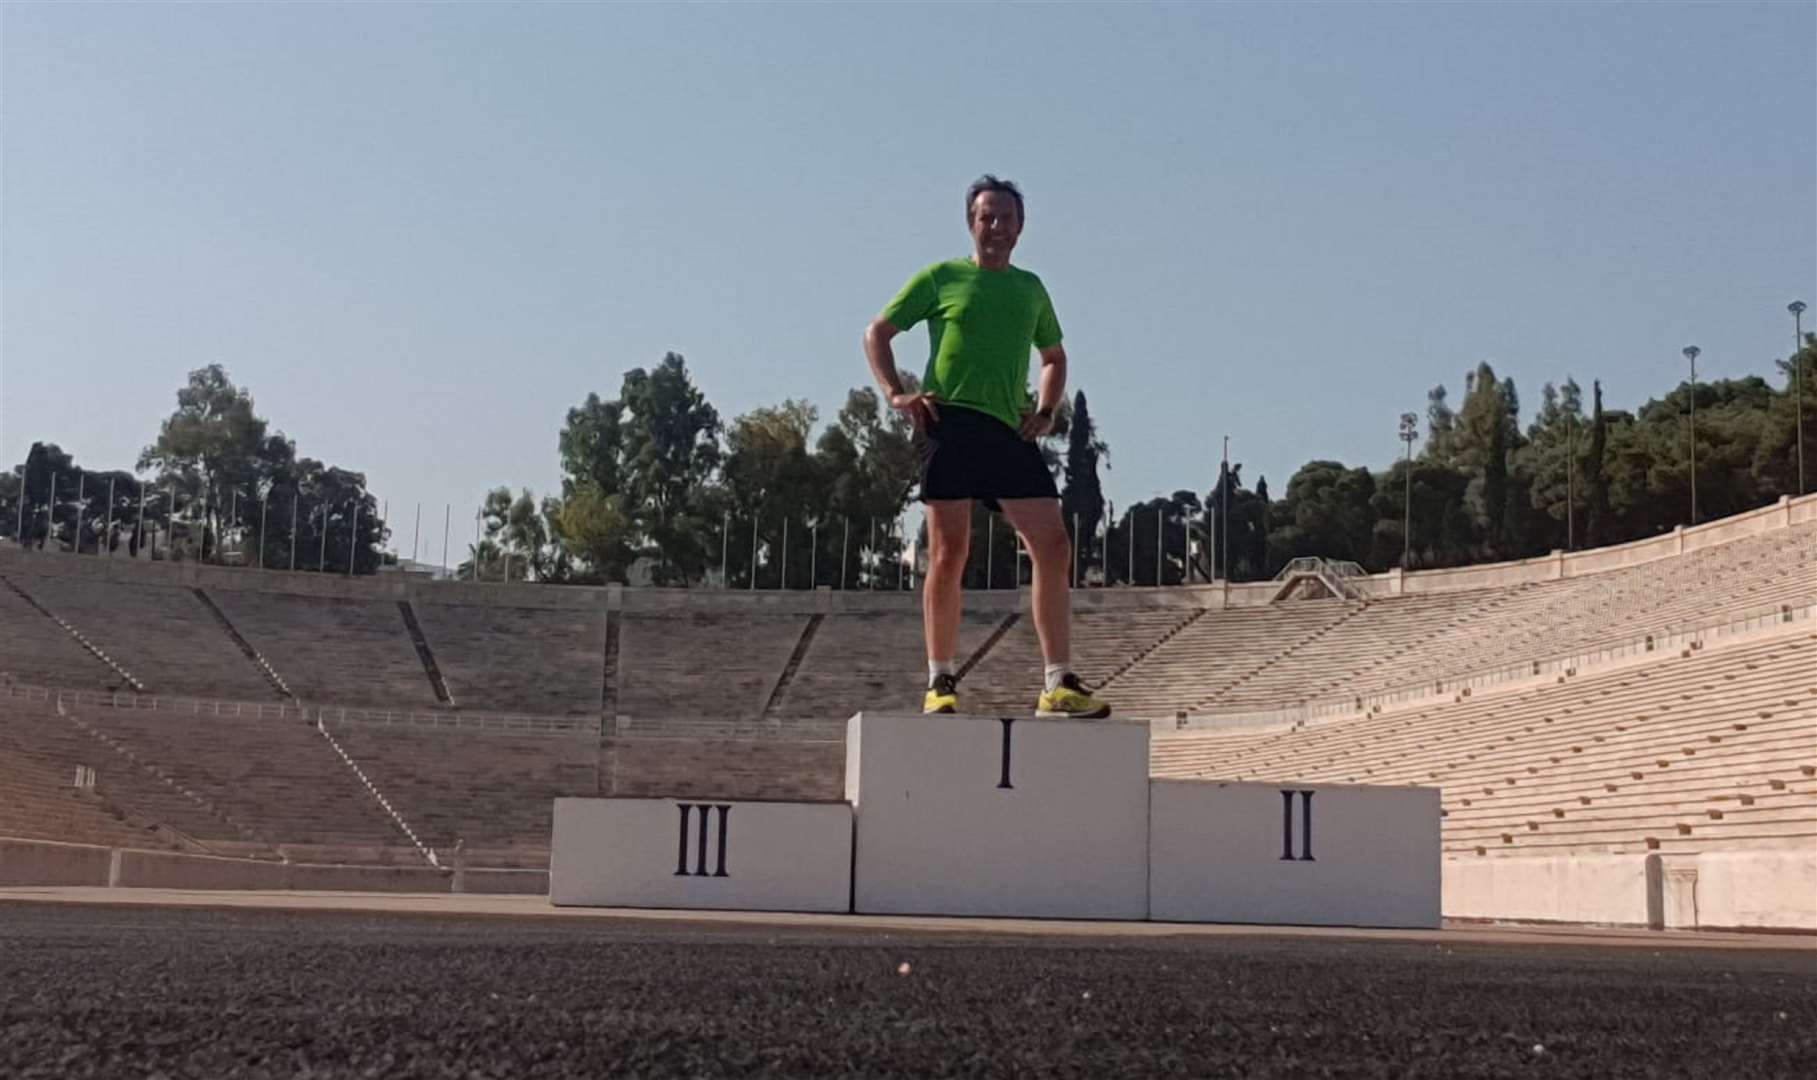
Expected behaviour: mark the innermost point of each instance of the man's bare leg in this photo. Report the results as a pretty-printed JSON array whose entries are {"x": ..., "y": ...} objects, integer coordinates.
[
  {"x": 1044, "y": 535},
  {"x": 949, "y": 539}
]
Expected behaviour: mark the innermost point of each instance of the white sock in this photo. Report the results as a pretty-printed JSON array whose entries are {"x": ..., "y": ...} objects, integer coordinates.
[
  {"x": 1054, "y": 673},
  {"x": 937, "y": 668}
]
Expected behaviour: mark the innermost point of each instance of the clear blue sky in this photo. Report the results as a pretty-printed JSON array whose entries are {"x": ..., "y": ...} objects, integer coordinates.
[{"x": 420, "y": 233}]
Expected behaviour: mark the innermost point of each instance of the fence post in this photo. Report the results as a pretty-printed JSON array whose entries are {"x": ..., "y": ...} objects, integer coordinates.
[
  {"x": 845, "y": 546},
  {"x": 353, "y": 537},
  {"x": 108, "y": 536}
]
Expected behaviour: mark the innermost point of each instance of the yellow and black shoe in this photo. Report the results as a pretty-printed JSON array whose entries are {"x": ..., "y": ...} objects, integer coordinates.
[
  {"x": 943, "y": 696},
  {"x": 1070, "y": 698}
]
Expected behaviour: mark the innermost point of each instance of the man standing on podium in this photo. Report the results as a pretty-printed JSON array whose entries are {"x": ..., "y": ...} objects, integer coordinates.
[{"x": 975, "y": 433}]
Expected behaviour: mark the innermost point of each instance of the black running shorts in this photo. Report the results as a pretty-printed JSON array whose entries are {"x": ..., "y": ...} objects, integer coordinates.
[{"x": 967, "y": 454}]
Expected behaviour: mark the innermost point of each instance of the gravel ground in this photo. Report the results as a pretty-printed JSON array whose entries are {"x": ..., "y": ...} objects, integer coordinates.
[{"x": 89, "y": 992}]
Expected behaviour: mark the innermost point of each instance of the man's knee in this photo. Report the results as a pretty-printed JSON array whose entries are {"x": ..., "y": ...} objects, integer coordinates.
[
  {"x": 948, "y": 556},
  {"x": 1049, "y": 545}
]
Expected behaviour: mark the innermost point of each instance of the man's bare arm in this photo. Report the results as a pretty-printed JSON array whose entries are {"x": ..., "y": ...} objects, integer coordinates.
[
  {"x": 1050, "y": 389},
  {"x": 921, "y": 408}
]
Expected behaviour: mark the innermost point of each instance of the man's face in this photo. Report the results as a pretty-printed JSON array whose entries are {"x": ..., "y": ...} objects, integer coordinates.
[{"x": 995, "y": 224}]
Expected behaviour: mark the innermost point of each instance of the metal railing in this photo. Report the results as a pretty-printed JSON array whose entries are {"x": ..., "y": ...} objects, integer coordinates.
[{"x": 330, "y": 715}]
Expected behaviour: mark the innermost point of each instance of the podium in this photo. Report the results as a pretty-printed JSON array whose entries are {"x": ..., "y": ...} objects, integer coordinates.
[
  {"x": 1016, "y": 817},
  {"x": 702, "y": 854}
]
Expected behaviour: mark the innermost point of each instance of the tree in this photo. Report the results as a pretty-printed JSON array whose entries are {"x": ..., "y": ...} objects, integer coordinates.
[
  {"x": 1776, "y": 463},
  {"x": 1596, "y": 487},
  {"x": 1550, "y": 468},
  {"x": 1245, "y": 516},
  {"x": 596, "y": 533},
  {"x": 1326, "y": 512},
  {"x": 47, "y": 466},
  {"x": 592, "y": 447},
  {"x": 12, "y": 493},
  {"x": 1258, "y": 533},
  {"x": 1485, "y": 439},
  {"x": 208, "y": 447},
  {"x": 1441, "y": 425},
  {"x": 1082, "y": 498},
  {"x": 868, "y": 465},
  {"x": 1161, "y": 536},
  {"x": 776, "y": 489},
  {"x": 671, "y": 451}
]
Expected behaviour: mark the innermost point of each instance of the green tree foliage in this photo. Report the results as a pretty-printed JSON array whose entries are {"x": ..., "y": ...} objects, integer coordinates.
[
  {"x": 1164, "y": 531},
  {"x": 1596, "y": 484},
  {"x": 595, "y": 532},
  {"x": 228, "y": 488},
  {"x": 1082, "y": 497},
  {"x": 592, "y": 447},
  {"x": 1244, "y": 555},
  {"x": 1776, "y": 459},
  {"x": 1327, "y": 511},
  {"x": 517, "y": 540},
  {"x": 671, "y": 455}
]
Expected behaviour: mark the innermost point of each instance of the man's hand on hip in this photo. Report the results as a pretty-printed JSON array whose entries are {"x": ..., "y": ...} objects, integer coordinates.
[
  {"x": 922, "y": 409},
  {"x": 1037, "y": 424}
]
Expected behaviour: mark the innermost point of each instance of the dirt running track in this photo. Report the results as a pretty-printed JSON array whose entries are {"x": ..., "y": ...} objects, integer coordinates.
[{"x": 92, "y": 991}]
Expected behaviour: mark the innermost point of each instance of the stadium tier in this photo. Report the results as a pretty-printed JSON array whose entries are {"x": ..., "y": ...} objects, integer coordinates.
[
  {"x": 1714, "y": 747},
  {"x": 1659, "y": 697},
  {"x": 504, "y": 659}
]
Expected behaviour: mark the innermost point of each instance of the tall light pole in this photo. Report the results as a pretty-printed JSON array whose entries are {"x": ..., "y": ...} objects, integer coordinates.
[
  {"x": 1224, "y": 512},
  {"x": 1410, "y": 430},
  {"x": 1691, "y": 353},
  {"x": 1796, "y": 307}
]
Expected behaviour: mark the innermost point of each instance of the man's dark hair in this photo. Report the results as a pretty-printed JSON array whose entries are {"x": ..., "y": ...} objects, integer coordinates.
[{"x": 987, "y": 182}]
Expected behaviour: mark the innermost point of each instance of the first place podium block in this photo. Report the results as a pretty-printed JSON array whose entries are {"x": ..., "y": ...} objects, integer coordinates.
[
  {"x": 974, "y": 815},
  {"x": 702, "y": 854}
]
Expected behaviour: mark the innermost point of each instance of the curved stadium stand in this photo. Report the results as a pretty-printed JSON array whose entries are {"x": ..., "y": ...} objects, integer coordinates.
[{"x": 1656, "y": 699}]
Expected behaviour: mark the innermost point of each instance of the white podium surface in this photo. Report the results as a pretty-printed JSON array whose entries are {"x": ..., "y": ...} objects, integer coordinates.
[
  {"x": 975, "y": 815},
  {"x": 1294, "y": 853},
  {"x": 704, "y": 854}
]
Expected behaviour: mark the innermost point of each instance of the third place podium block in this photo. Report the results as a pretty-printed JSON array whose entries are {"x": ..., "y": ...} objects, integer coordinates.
[
  {"x": 1297, "y": 854},
  {"x": 705, "y": 854},
  {"x": 975, "y": 815}
]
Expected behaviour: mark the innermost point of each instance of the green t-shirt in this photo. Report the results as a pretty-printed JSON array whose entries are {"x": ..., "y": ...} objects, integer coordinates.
[{"x": 980, "y": 324}]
